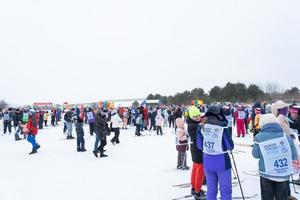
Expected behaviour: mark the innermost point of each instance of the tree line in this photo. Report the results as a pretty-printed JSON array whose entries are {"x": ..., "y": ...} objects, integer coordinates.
[{"x": 232, "y": 92}]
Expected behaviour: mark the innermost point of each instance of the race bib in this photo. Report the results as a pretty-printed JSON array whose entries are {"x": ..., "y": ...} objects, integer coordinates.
[
  {"x": 277, "y": 157},
  {"x": 241, "y": 114},
  {"x": 25, "y": 117},
  {"x": 229, "y": 119},
  {"x": 212, "y": 139},
  {"x": 90, "y": 115}
]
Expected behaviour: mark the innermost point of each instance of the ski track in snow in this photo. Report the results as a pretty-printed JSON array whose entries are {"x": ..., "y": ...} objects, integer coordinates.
[{"x": 138, "y": 168}]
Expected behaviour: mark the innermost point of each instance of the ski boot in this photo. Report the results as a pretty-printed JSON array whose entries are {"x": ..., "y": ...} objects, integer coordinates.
[{"x": 200, "y": 195}]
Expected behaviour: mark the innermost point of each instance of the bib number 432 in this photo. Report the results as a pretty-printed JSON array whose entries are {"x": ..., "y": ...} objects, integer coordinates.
[{"x": 280, "y": 163}]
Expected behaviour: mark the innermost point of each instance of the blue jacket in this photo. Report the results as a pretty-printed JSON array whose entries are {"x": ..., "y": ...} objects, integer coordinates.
[
  {"x": 268, "y": 132},
  {"x": 216, "y": 162}
]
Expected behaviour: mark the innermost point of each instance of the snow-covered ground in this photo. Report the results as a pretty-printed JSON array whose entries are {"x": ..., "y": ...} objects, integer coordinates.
[{"x": 138, "y": 168}]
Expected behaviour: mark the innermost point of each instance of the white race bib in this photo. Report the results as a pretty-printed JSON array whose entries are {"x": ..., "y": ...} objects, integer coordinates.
[
  {"x": 212, "y": 139},
  {"x": 277, "y": 156},
  {"x": 229, "y": 118},
  {"x": 90, "y": 115},
  {"x": 241, "y": 114}
]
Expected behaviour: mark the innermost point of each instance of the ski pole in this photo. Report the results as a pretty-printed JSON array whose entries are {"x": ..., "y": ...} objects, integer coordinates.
[
  {"x": 234, "y": 174},
  {"x": 237, "y": 176},
  {"x": 294, "y": 184}
]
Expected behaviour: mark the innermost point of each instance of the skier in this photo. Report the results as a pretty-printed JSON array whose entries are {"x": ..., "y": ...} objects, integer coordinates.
[
  {"x": 46, "y": 115},
  {"x": 181, "y": 144},
  {"x": 276, "y": 152},
  {"x": 239, "y": 118},
  {"x": 53, "y": 116},
  {"x": 152, "y": 114},
  {"x": 256, "y": 128},
  {"x": 17, "y": 120},
  {"x": 138, "y": 124},
  {"x": 7, "y": 118},
  {"x": 294, "y": 122},
  {"x": 91, "y": 120},
  {"x": 101, "y": 130},
  {"x": 68, "y": 120},
  {"x": 41, "y": 119},
  {"x": 228, "y": 114},
  {"x": 79, "y": 133},
  {"x": 115, "y": 126},
  {"x": 125, "y": 119},
  {"x": 32, "y": 131},
  {"x": 197, "y": 176},
  {"x": 215, "y": 140}
]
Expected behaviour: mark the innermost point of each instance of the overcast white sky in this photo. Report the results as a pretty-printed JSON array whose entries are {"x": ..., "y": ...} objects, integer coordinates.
[{"x": 78, "y": 51}]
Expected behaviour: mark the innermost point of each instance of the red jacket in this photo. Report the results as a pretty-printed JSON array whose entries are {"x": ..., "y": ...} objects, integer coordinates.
[{"x": 33, "y": 129}]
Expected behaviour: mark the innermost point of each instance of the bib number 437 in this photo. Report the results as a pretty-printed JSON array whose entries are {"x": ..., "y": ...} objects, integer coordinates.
[
  {"x": 209, "y": 145},
  {"x": 280, "y": 163}
]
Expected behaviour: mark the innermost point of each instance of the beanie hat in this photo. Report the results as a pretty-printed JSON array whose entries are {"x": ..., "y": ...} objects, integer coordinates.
[
  {"x": 267, "y": 119},
  {"x": 294, "y": 109},
  {"x": 215, "y": 111},
  {"x": 278, "y": 105},
  {"x": 194, "y": 112}
]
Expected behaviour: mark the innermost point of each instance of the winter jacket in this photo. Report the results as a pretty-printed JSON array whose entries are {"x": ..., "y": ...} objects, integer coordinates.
[
  {"x": 79, "y": 130},
  {"x": 116, "y": 121},
  {"x": 7, "y": 117},
  {"x": 46, "y": 115},
  {"x": 197, "y": 155},
  {"x": 139, "y": 120},
  {"x": 159, "y": 120},
  {"x": 152, "y": 117},
  {"x": 91, "y": 117},
  {"x": 17, "y": 118},
  {"x": 295, "y": 124},
  {"x": 182, "y": 139},
  {"x": 178, "y": 113},
  {"x": 101, "y": 127},
  {"x": 221, "y": 161},
  {"x": 268, "y": 132},
  {"x": 32, "y": 124},
  {"x": 68, "y": 117}
]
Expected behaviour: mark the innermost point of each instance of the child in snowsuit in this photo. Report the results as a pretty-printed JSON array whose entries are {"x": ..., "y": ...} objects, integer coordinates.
[
  {"x": 239, "y": 118},
  {"x": 215, "y": 140},
  {"x": 181, "y": 144}
]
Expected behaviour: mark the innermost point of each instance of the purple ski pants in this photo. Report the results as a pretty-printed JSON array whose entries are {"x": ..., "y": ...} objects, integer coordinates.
[{"x": 213, "y": 178}]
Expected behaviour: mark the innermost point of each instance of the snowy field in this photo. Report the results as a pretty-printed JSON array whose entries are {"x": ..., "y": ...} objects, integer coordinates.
[{"x": 138, "y": 168}]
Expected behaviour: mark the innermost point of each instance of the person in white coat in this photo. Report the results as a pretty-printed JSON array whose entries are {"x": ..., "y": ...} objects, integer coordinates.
[
  {"x": 159, "y": 120},
  {"x": 115, "y": 126}
]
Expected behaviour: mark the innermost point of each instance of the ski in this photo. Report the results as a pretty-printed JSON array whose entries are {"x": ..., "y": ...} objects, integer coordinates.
[
  {"x": 246, "y": 197},
  {"x": 239, "y": 151},
  {"x": 243, "y": 145},
  {"x": 256, "y": 174},
  {"x": 183, "y": 184},
  {"x": 183, "y": 197},
  {"x": 190, "y": 197}
]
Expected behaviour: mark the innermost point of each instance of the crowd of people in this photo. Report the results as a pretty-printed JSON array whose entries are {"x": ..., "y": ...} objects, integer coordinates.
[{"x": 208, "y": 136}]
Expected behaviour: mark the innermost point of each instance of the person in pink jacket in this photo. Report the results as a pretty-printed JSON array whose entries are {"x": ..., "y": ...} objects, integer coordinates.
[{"x": 182, "y": 144}]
